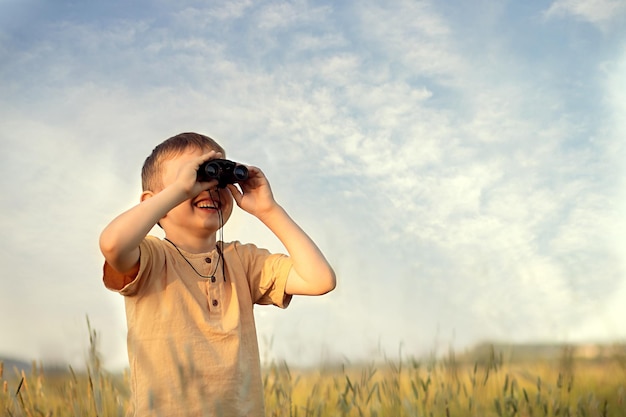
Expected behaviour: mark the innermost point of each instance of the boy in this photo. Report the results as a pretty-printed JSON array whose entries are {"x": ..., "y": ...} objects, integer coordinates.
[{"x": 189, "y": 298}]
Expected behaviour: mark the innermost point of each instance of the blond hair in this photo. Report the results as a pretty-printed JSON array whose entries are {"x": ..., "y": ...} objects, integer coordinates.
[{"x": 152, "y": 171}]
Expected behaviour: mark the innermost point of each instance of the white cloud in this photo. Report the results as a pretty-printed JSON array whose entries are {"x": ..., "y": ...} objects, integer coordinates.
[
  {"x": 282, "y": 15},
  {"x": 411, "y": 34},
  {"x": 456, "y": 190},
  {"x": 231, "y": 9},
  {"x": 309, "y": 42},
  {"x": 597, "y": 12}
]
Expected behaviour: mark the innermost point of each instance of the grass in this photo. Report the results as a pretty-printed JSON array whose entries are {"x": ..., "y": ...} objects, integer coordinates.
[
  {"x": 445, "y": 388},
  {"x": 408, "y": 387}
]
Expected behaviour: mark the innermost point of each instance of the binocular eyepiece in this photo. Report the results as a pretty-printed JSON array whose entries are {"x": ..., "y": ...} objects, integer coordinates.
[{"x": 222, "y": 170}]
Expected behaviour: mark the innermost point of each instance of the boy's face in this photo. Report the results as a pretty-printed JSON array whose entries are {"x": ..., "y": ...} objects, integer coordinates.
[{"x": 199, "y": 216}]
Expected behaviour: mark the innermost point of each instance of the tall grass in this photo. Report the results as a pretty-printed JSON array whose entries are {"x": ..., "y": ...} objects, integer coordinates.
[
  {"x": 64, "y": 392},
  {"x": 449, "y": 388},
  {"x": 406, "y": 387}
]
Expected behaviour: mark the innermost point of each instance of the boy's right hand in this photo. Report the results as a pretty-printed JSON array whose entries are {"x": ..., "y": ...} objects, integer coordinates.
[
  {"x": 119, "y": 241},
  {"x": 187, "y": 176}
]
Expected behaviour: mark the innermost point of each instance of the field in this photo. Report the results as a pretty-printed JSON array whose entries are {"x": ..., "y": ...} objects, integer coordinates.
[{"x": 480, "y": 386}]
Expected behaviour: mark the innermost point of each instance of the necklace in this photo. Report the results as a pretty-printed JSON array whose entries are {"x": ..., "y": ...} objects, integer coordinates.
[{"x": 212, "y": 276}]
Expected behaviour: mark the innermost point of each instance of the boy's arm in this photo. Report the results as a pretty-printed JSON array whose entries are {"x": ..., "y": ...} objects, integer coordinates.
[
  {"x": 119, "y": 241},
  {"x": 311, "y": 273}
]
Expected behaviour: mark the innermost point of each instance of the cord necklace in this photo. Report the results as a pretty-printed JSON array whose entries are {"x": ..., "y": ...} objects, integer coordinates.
[
  {"x": 217, "y": 246},
  {"x": 219, "y": 251}
]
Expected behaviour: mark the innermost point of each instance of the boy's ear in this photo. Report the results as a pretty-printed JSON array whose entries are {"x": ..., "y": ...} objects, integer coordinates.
[{"x": 146, "y": 195}]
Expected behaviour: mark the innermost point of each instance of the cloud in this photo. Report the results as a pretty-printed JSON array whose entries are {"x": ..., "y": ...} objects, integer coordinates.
[
  {"x": 282, "y": 15},
  {"x": 455, "y": 191},
  {"x": 597, "y": 12},
  {"x": 409, "y": 39}
]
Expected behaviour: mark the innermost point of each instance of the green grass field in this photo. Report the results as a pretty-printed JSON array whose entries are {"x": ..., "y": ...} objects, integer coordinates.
[{"x": 408, "y": 387}]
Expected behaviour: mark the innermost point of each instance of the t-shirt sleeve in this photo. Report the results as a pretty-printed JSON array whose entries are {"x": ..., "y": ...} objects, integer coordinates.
[
  {"x": 132, "y": 281},
  {"x": 115, "y": 280},
  {"x": 267, "y": 275}
]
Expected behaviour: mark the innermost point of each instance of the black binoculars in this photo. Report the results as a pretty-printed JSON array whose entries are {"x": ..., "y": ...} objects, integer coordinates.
[{"x": 222, "y": 170}]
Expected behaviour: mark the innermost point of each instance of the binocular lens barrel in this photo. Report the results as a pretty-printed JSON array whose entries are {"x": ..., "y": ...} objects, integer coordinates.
[
  {"x": 222, "y": 170},
  {"x": 211, "y": 170},
  {"x": 240, "y": 172}
]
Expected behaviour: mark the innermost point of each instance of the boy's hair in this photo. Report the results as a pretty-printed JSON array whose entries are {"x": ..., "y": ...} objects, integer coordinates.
[{"x": 151, "y": 173}]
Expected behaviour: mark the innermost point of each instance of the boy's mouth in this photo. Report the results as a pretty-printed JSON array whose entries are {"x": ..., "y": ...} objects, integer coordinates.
[{"x": 206, "y": 204}]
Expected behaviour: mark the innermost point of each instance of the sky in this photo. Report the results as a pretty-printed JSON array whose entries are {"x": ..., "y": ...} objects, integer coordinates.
[{"x": 460, "y": 164}]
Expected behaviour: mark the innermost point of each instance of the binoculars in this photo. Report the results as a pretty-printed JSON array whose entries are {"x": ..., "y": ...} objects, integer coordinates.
[{"x": 222, "y": 170}]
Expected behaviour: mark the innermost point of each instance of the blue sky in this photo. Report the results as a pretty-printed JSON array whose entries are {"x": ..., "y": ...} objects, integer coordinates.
[{"x": 461, "y": 165}]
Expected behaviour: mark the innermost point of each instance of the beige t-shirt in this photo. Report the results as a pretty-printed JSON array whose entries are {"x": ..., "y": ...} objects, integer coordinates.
[{"x": 192, "y": 341}]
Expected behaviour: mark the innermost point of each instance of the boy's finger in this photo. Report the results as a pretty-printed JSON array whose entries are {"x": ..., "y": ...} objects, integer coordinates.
[
  {"x": 209, "y": 155},
  {"x": 237, "y": 195},
  {"x": 207, "y": 185}
]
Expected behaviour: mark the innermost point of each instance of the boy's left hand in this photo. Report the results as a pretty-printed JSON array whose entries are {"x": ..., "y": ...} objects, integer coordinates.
[
  {"x": 311, "y": 273},
  {"x": 256, "y": 195}
]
